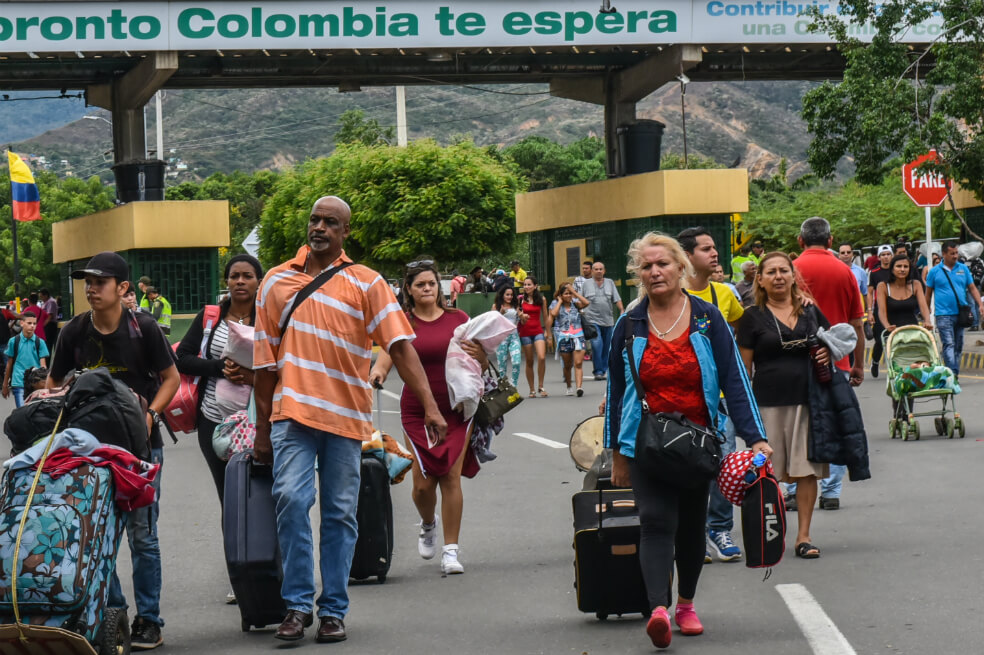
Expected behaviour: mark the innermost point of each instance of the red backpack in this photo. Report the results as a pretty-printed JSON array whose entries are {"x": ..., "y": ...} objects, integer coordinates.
[{"x": 182, "y": 412}]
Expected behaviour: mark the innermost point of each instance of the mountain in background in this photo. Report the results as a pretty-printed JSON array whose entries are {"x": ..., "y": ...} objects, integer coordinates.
[
  {"x": 23, "y": 118},
  {"x": 747, "y": 124}
]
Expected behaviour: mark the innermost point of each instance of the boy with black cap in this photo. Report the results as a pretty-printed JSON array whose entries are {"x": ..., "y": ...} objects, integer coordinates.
[{"x": 133, "y": 349}]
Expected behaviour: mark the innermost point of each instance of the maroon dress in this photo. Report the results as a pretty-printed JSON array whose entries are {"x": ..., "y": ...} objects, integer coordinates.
[{"x": 431, "y": 345}]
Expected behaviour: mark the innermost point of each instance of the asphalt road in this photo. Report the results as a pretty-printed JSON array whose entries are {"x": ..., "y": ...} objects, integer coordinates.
[{"x": 901, "y": 569}]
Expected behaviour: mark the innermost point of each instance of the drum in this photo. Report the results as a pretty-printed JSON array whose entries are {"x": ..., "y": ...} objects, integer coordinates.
[{"x": 587, "y": 442}]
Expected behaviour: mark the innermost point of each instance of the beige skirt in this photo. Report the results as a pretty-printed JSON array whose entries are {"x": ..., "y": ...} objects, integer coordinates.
[{"x": 787, "y": 429}]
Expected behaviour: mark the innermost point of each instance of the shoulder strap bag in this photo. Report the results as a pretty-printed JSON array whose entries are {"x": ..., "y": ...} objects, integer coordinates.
[
  {"x": 309, "y": 289},
  {"x": 671, "y": 448},
  {"x": 965, "y": 317},
  {"x": 495, "y": 403}
]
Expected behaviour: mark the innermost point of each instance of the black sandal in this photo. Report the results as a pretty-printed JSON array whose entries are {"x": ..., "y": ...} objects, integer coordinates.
[{"x": 806, "y": 550}]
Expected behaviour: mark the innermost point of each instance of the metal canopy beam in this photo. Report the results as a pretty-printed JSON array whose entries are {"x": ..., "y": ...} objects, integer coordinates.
[{"x": 634, "y": 84}]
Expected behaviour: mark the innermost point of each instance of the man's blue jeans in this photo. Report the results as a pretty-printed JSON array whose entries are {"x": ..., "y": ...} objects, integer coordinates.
[
  {"x": 145, "y": 552},
  {"x": 18, "y": 393},
  {"x": 600, "y": 347},
  {"x": 951, "y": 338},
  {"x": 720, "y": 511},
  {"x": 296, "y": 447}
]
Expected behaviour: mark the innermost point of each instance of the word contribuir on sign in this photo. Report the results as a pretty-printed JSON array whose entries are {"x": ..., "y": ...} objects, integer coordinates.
[{"x": 164, "y": 25}]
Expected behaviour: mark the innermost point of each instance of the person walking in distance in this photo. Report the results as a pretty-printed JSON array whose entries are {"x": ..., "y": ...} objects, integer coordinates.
[
  {"x": 835, "y": 290},
  {"x": 746, "y": 287},
  {"x": 50, "y": 306},
  {"x": 699, "y": 246},
  {"x": 23, "y": 351},
  {"x": 565, "y": 319},
  {"x": 532, "y": 335},
  {"x": 583, "y": 277},
  {"x": 602, "y": 295},
  {"x": 510, "y": 351},
  {"x": 131, "y": 347},
  {"x": 952, "y": 285},
  {"x": 313, "y": 406},
  {"x": 882, "y": 274},
  {"x": 845, "y": 252}
]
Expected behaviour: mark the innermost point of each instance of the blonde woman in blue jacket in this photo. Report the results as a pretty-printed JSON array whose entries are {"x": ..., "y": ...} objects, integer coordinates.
[{"x": 686, "y": 356}]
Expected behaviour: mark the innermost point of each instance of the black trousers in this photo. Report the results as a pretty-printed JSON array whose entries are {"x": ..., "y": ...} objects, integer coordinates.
[
  {"x": 216, "y": 466},
  {"x": 673, "y": 521},
  {"x": 876, "y": 347}
]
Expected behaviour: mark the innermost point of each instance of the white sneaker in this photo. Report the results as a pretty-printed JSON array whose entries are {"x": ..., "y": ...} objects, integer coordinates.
[
  {"x": 427, "y": 540},
  {"x": 570, "y": 391},
  {"x": 449, "y": 560}
]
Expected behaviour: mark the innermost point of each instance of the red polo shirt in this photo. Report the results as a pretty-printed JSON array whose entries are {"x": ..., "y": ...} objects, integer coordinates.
[{"x": 833, "y": 287}]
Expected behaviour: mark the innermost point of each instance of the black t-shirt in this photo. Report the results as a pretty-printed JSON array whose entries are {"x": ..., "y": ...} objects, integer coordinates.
[
  {"x": 135, "y": 354},
  {"x": 779, "y": 373},
  {"x": 875, "y": 278}
]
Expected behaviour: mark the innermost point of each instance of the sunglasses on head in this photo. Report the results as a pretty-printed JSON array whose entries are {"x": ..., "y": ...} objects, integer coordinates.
[{"x": 421, "y": 262}]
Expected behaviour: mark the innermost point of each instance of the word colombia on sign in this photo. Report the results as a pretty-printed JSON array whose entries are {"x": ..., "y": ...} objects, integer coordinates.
[{"x": 220, "y": 24}]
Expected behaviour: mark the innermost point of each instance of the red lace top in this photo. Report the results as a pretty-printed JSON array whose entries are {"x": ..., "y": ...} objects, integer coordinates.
[{"x": 670, "y": 374}]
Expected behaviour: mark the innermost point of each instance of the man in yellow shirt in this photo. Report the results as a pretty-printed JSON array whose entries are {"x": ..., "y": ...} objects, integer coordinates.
[
  {"x": 698, "y": 243},
  {"x": 517, "y": 273}
]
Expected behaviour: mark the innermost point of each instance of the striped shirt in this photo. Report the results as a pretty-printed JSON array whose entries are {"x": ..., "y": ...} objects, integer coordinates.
[{"x": 323, "y": 360}]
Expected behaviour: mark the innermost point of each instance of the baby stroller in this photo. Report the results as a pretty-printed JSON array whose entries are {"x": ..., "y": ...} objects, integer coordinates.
[{"x": 916, "y": 373}]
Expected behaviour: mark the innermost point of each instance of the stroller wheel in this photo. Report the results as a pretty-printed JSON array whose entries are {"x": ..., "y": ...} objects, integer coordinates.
[
  {"x": 940, "y": 424},
  {"x": 959, "y": 426},
  {"x": 904, "y": 429},
  {"x": 948, "y": 424},
  {"x": 914, "y": 429},
  {"x": 893, "y": 425}
]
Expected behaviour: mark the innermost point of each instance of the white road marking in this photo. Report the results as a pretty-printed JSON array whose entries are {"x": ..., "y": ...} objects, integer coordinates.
[
  {"x": 821, "y": 633},
  {"x": 540, "y": 440}
]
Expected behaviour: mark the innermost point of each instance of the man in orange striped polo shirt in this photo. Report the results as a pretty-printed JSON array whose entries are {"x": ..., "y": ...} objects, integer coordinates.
[{"x": 313, "y": 403}]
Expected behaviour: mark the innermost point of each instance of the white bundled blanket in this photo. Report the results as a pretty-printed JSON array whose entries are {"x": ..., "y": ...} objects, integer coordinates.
[
  {"x": 239, "y": 345},
  {"x": 463, "y": 373}
]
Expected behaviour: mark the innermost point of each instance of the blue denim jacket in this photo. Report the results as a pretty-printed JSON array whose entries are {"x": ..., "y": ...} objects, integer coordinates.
[{"x": 720, "y": 366}]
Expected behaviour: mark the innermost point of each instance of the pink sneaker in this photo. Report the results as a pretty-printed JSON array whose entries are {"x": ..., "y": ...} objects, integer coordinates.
[
  {"x": 658, "y": 628},
  {"x": 686, "y": 619}
]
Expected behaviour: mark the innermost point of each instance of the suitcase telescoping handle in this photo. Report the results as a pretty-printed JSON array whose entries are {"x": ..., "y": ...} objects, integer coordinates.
[{"x": 378, "y": 409}]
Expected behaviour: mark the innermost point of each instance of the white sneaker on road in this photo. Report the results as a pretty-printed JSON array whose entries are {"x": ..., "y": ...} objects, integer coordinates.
[
  {"x": 449, "y": 560},
  {"x": 427, "y": 540}
]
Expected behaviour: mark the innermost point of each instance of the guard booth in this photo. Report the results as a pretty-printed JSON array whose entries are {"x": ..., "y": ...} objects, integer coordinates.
[
  {"x": 598, "y": 220},
  {"x": 173, "y": 242}
]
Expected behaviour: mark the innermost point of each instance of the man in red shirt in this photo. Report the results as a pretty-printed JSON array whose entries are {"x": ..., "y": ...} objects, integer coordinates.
[
  {"x": 833, "y": 287},
  {"x": 835, "y": 290}
]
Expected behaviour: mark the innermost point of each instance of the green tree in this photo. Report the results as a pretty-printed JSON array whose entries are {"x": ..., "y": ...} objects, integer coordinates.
[
  {"x": 674, "y": 161},
  {"x": 60, "y": 199},
  {"x": 354, "y": 127},
  {"x": 456, "y": 202},
  {"x": 863, "y": 214},
  {"x": 898, "y": 100},
  {"x": 547, "y": 164}
]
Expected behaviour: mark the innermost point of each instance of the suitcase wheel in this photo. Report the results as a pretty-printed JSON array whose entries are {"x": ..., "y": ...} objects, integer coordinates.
[
  {"x": 381, "y": 579},
  {"x": 114, "y": 633},
  {"x": 602, "y": 616},
  {"x": 245, "y": 626}
]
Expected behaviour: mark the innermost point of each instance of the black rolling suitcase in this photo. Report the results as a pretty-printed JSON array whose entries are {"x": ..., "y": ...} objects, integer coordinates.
[
  {"x": 374, "y": 548},
  {"x": 607, "y": 574},
  {"x": 249, "y": 526}
]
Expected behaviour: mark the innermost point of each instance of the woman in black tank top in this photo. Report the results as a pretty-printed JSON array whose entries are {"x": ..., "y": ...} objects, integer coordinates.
[{"x": 901, "y": 301}]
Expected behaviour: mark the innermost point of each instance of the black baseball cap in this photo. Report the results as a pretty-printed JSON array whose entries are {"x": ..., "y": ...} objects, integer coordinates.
[{"x": 105, "y": 264}]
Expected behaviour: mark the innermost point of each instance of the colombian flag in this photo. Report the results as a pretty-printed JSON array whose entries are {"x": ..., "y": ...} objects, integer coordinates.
[{"x": 24, "y": 192}]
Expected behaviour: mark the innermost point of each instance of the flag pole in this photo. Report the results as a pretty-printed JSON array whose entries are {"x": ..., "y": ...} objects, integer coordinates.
[{"x": 13, "y": 233}]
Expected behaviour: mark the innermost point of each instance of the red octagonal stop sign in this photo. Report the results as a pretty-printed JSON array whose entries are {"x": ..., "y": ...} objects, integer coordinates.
[{"x": 928, "y": 189}]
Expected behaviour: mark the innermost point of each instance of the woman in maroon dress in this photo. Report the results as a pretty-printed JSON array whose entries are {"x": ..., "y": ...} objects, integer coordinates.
[{"x": 440, "y": 463}]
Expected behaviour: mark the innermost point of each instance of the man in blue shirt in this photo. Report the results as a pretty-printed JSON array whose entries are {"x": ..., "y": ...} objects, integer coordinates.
[
  {"x": 846, "y": 254},
  {"x": 24, "y": 351},
  {"x": 951, "y": 283}
]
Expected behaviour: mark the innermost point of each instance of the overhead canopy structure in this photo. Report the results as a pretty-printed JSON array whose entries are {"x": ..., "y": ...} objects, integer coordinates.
[{"x": 122, "y": 52}]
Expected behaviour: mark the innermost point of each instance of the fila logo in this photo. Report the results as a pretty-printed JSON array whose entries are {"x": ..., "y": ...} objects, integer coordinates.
[{"x": 771, "y": 521}]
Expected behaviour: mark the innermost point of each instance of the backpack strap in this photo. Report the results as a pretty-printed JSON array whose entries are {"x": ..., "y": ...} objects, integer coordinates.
[
  {"x": 306, "y": 292},
  {"x": 210, "y": 321}
]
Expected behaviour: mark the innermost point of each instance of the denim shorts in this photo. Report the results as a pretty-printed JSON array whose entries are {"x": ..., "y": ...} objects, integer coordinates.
[{"x": 528, "y": 341}]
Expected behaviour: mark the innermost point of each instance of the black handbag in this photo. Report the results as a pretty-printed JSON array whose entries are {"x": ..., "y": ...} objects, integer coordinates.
[
  {"x": 965, "y": 316},
  {"x": 589, "y": 330},
  {"x": 495, "y": 403},
  {"x": 671, "y": 448}
]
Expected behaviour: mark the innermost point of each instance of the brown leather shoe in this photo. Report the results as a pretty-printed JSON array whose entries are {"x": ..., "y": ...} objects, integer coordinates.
[
  {"x": 293, "y": 625},
  {"x": 330, "y": 630}
]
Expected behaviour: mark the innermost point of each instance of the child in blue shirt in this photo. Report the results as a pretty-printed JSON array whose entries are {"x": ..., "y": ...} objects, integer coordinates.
[{"x": 24, "y": 351}]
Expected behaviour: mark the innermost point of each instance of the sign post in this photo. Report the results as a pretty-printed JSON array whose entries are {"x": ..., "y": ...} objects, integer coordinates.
[{"x": 926, "y": 190}]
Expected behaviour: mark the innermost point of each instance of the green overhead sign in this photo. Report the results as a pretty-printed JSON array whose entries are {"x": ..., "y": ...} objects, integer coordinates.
[{"x": 144, "y": 26}]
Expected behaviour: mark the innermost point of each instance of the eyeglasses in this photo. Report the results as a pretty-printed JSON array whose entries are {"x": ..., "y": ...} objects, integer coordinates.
[
  {"x": 795, "y": 344},
  {"x": 421, "y": 262}
]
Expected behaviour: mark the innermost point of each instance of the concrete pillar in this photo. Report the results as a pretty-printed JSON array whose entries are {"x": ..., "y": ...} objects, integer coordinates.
[
  {"x": 616, "y": 113},
  {"x": 129, "y": 138}
]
